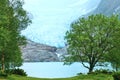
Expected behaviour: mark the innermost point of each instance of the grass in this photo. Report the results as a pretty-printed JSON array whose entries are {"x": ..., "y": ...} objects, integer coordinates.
[{"x": 81, "y": 77}]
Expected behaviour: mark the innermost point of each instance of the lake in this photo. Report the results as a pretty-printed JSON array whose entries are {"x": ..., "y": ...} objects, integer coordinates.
[{"x": 53, "y": 69}]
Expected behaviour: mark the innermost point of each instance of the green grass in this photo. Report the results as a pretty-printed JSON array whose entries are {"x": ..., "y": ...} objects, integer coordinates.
[{"x": 81, "y": 77}]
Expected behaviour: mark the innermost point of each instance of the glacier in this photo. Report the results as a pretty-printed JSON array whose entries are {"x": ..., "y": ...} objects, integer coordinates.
[{"x": 52, "y": 18}]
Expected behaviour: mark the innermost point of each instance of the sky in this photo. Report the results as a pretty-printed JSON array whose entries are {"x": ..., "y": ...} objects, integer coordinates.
[{"x": 52, "y": 18}]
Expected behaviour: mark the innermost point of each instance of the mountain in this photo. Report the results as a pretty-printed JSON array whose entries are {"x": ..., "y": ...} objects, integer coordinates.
[
  {"x": 107, "y": 7},
  {"x": 35, "y": 52}
]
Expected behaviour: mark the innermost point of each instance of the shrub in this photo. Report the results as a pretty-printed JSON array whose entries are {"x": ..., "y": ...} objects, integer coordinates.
[
  {"x": 79, "y": 74},
  {"x": 116, "y": 76},
  {"x": 18, "y": 72},
  {"x": 103, "y": 71},
  {"x": 3, "y": 74}
]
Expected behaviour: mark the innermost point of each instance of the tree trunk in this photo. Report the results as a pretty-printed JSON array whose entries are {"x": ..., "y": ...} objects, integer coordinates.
[
  {"x": 91, "y": 68},
  {"x": 3, "y": 63},
  {"x": 116, "y": 68}
]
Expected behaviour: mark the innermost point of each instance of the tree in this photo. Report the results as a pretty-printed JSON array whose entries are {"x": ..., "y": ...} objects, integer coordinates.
[
  {"x": 4, "y": 39},
  {"x": 114, "y": 55},
  {"x": 114, "y": 58},
  {"x": 13, "y": 19},
  {"x": 89, "y": 39}
]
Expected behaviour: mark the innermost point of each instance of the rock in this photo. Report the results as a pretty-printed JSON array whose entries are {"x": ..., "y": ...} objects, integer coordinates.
[
  {"x": 61, "y": 52},
  {"x": 36, "y": 52}
]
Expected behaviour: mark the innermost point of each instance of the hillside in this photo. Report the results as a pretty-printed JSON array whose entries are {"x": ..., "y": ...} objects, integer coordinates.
[{"x": 107, "y": 7}]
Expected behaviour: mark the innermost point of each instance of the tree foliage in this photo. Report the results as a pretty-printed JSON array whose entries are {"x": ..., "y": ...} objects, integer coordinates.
[
  {"x": 13, "y": 19},
  {"x": 114, "y": 58},
  {"x": 89, "y": 39},
  {"x": 114, "y": 55}
]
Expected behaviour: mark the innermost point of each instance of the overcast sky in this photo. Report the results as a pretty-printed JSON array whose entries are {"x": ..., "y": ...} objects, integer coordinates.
[{"x": 51, "y": 18}]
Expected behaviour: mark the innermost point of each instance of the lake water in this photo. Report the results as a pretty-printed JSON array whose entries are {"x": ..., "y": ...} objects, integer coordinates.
[{"x": 53, "y": 69}]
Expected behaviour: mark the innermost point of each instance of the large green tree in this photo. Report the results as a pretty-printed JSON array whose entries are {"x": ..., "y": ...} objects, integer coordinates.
[
  {"x": 90, "y": 38},
  {"x": 13, "y": 19}
]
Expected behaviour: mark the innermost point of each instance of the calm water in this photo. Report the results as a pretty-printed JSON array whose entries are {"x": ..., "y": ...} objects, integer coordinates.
[{"x": 53, "y": 69}]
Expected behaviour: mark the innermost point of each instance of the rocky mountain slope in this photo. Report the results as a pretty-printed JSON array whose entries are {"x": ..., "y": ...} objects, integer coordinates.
[
  {"x": 34, "y": 52},
  {"x": 107, "y": 7}
]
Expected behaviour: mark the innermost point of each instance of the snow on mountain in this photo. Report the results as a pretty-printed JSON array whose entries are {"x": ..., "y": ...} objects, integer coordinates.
[{"x": 52, "y": 18}]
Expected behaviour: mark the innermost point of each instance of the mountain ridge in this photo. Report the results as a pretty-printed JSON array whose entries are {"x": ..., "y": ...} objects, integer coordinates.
[{"x": 107, "y": 7}]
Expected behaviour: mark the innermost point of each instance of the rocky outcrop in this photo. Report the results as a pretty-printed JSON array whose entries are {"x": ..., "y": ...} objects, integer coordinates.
[
  {"x": 61, "y": 52},
  {"x": 36, "y": 52}
]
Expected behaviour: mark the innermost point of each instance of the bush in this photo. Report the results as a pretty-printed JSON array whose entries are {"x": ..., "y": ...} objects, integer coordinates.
[
  {"x": 17, "y": 72},
  {"x": 3, "y": 74},
  {"x": 103, "y": 71},
  {"x": 79, "y": 74},
  {"x": 116, "y": 76}
]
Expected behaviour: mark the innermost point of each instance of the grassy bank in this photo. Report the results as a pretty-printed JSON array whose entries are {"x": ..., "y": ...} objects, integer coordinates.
[{"x": 81, "y": 77}]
